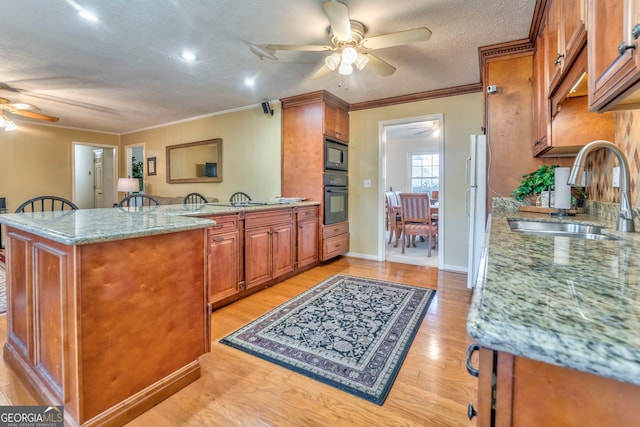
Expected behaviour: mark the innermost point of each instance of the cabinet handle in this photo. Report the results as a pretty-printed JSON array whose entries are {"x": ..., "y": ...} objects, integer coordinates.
[
  {"x": 218, "y": 239},
  {"x": 471, "y": 412},
  {"x": 623, "y": 47},
  {"x": 472, "y": 349},
  {"x": 558, "y": 59},
  {"x": 218, "y": 226},
  {"x": 635, "y": 33},
  {"x": 536, "y": 142}
]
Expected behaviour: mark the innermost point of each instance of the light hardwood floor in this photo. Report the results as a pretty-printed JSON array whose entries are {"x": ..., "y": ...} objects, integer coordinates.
[{"x": 433, "y": 387}]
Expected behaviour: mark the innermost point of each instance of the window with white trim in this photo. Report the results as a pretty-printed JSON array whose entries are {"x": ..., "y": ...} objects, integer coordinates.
[{"x": 424, "y": 172}]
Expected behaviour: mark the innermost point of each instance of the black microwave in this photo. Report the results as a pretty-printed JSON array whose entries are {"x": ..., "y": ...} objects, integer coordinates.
[{"x": 336, "y": 157}]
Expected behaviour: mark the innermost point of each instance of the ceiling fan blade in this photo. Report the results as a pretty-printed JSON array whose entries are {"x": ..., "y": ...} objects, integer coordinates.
[
  {"x": 33, "y": 115},
  {"x": 303, "y": 47},
  {"x": 421, "y": 34},
  {"x": 261, "y": 51},
  {"x": 379, "y": 66},
  {"x": 321, "y": 72},
  {"x": 338, "y": 15}
]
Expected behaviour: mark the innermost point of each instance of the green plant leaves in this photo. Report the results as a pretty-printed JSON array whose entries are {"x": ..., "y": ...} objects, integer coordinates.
[{"x": 536, "y": 182}]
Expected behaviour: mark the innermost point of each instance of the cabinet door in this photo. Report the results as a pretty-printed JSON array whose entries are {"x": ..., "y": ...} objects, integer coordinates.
[
  {"x": 336, "y": 122},
  {"x": 258, "y": 258},
  {"x": 308, "y": 252},
  {"x": 223, "y": 266},
  {"x": 613, "y": 69},
  {"x": 283, "y": 246},
  {"x": 540, "y": 98},
  {"x": 553, "y": 47}
]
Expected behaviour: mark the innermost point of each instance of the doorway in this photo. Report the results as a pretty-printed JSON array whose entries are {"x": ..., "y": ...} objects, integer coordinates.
[
  {"x": 412, "y": 161},
  {"x": 94, "y": 175}
]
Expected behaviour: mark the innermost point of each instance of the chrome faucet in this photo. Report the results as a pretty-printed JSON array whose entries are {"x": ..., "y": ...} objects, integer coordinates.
[{"x": 625, "y": 216}]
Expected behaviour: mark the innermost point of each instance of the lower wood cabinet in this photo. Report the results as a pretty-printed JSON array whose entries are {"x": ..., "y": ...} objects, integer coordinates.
[
  {"x": 223, "y": 259},
  {"x": 308, "y": 248},
  {"x": 518, "y": 391},
  {"x": 247, "y": 251},
  {"x": 335, "y": 240},
  {"x": 269, "y": 245}
]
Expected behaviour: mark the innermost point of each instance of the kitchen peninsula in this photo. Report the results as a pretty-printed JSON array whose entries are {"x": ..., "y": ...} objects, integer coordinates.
[
  {"x": 556, "y": 320},
  {"x": 107, "y": 309}
]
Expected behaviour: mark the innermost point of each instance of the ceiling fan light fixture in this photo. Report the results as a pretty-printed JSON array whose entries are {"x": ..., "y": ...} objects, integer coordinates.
[
  {"x": 349, "y": 55},
  {"x": 345, "y": 69},
  {"x": 10, "y": 125},
  {"x": 332, "y": 61},
  {"x": 3, "y": 121},
  {"x": 361, "y": 61}
]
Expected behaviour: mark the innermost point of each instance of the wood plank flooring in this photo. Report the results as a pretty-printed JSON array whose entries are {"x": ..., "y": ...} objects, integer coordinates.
[{"x": 433, "y": 387}]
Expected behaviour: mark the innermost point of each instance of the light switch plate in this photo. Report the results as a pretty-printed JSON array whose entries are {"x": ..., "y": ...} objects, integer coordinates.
[
  {"x": 616, "y": 177},
  {"x": 366, "y": 183}
]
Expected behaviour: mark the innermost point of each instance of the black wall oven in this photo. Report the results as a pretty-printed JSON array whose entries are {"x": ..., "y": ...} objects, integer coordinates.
[{"x": 336, "y": 197}]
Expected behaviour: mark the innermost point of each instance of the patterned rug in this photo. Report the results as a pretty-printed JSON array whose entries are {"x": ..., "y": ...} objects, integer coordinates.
[{"x": 349, "y": 332}]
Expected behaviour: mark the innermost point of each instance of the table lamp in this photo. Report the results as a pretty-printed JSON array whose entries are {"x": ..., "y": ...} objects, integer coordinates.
[{"x": 128, "y": 185}]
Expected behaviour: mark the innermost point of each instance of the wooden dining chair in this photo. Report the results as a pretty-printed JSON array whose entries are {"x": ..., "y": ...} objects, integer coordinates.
[
  {"x": 239, "y": 198},
  {"x": 416, "y": 219},
  {"x": 392, "y": 204}
]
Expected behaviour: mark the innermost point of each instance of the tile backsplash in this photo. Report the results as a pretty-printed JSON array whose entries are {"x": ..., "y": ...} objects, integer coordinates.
[{"x": 602, "y": 162}]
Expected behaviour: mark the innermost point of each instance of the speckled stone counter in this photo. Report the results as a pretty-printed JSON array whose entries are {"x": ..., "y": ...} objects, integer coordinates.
[
  {"x": 85, "y": 226},
  {"x": 571, "y": 302}
]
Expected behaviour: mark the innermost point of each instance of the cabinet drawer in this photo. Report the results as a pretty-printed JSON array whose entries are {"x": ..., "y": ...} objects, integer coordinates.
[
  {"x": 224, "y": 224},
  {"x": 335, "y": 246},
  {"x": 260, "y": 219},
  {"x": 309, "y": 213},
  {"x": 335, "y": 229}
]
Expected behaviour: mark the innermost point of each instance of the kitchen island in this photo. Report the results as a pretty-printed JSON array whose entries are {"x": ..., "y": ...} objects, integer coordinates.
[
  {"x": 557, "y": 322},
  {"x": 107, "y": 309}
]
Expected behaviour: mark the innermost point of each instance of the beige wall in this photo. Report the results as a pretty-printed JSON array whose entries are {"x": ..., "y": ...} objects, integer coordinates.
[
  {"x": 462, "y": 116},
  {"x": 35, "y": 160},
  {"x": 251, "y": 153}
]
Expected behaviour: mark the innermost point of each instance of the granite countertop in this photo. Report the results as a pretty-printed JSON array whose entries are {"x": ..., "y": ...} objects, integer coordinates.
[
  {"x": 570, "y": 302},
  {"x": 84, "y": 226}
]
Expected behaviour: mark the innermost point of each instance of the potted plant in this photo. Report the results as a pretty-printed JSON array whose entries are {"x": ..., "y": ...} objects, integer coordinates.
[{"x": 534, "y": 183}]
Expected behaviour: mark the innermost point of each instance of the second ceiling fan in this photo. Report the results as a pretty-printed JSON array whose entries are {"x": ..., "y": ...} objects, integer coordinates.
[{"x": 348, "y": 43}]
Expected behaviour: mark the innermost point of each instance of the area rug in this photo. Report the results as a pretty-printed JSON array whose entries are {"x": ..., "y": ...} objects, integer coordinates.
[{"x": 349, "y": 332}]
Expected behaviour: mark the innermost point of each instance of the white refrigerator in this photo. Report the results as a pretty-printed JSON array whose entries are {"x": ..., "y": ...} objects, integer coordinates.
[{"x": 476, "y": 203}]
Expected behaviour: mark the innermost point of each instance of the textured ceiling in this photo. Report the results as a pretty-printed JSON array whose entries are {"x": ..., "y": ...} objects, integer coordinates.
[{"x": 124, "y": 72}]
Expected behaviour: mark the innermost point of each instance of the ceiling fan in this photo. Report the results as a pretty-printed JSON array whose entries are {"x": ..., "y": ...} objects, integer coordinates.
[
  {"x": 20, "y": 109},
  {"x": 348, "y": 44}
]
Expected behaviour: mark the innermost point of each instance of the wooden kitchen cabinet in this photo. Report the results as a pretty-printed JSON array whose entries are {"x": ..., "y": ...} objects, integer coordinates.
[
  {"x": 336, "y": 122},
  {"x": 521, "y": 392},
  {"x": 566, "y": 36},
  {"x": 614, "y": 64},
  {"x": 306, "y": 120},
  {"x": 540, "y": 96},
  {"x": 224, "y": 258},
  {"x": 269, "y": 245},
  {"x": 307, "y": 236}
]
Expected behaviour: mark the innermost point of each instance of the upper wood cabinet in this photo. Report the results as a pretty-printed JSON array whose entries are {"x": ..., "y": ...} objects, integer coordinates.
[
  {"x": 565, "y": 36},
  {"x": 614, "y": 64},
  {"x": 336, "y": 122},
  {"x": 540, "y": 96}
]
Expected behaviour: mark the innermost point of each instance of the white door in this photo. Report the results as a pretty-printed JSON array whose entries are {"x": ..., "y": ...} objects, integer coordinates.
[{"x": 98, "y": 179}]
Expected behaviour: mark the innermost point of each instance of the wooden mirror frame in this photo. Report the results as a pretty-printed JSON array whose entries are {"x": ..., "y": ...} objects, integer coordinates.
[{"x": 217, "y": 146}]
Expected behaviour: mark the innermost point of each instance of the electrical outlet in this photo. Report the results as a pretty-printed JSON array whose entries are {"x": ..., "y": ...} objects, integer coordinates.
[{"x": 616, "y": 177}]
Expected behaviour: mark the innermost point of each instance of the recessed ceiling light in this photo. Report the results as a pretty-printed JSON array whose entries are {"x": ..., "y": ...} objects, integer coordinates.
[
  {"x": 188, "y": 56},
  {"x": 89, "y": 16},
  {"x": 249, "y": 81}
]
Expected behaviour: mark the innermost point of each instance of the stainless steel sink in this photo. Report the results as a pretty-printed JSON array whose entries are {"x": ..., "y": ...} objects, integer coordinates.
[{"x": 566, "y": 229}]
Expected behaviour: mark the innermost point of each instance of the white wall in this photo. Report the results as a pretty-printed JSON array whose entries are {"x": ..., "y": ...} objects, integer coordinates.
[{"x": 396, "y": 158}]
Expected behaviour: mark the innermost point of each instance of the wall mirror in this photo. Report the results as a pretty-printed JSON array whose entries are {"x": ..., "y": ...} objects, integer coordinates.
[{"x": 199, "y": 161}]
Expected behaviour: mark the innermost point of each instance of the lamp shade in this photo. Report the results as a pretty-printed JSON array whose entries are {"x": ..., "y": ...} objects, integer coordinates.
[{"x": 128, "y": 185}]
